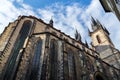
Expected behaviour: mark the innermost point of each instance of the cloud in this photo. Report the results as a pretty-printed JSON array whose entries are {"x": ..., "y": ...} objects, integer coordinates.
[
  {"x": 20, "y": 1},
  {"x": 6, "y": 13},
  {"x": 66, "y": 17},
  {"x": 9, "y": 12}
]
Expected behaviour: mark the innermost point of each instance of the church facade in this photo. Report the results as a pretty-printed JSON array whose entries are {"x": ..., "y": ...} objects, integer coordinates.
[{"x": 31, "y": 49}]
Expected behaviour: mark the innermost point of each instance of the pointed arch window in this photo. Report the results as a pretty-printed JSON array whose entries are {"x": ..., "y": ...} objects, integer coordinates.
[
  {"x": 24, "y": 32},
  {"x": 53, "y": 60},
  {"x": 36, "y": 61},
  {"x": 71, "y": 66},
  {"x": 98, "y": 39}
]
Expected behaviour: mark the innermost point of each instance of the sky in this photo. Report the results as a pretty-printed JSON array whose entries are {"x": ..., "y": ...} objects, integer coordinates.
[{"x": 67, "y": 15}]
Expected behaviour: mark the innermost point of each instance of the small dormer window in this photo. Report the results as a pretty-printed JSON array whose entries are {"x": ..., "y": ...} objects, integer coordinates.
[{"x": 98, "y": 39}]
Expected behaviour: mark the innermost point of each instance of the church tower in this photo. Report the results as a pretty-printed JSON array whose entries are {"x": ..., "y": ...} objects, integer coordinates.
[
  {"x": 100, "y": 35},
  {"x": 102, "y": 43}
]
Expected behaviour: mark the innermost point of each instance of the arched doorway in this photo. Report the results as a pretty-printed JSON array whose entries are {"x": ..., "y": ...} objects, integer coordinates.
[{"x": 99, "y": 76}]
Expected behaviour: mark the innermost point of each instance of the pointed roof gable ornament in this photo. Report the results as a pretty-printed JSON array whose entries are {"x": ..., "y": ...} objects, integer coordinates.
[
  {"x": 89, "y": 31},
  {"x": 86, "y": 44},
  {"x": 51, "y": 22},
  {"x": 77, "y": 36}
]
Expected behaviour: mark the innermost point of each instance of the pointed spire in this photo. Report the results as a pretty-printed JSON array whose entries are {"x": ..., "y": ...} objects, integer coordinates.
[
  {"x": 51, "y": 22},
  {"x": 98, "y": 22},
  {"x": 100, "y": 25},
  {"x": 94, "y": 24}
]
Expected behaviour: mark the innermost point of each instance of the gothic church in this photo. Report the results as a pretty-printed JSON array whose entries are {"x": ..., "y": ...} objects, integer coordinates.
[{"x": 31, "y": 49}]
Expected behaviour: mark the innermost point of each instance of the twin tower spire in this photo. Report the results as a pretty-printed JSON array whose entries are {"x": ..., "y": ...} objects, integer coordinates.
[{"x": 97, "y": 25}]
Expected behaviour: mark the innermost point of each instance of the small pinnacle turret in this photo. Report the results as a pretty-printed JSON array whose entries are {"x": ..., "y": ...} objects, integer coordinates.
[
  {"x": 77, "y": 36},
  {"x": 89, "y": 31},
  {"x": 51, "y": 22},
  {"x": 86, "y": 44},
  {"x": 94, "y": 24}
]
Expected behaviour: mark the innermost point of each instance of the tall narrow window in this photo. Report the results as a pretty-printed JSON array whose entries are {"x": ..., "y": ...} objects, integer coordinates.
[
  {"x": 36, "y": 61},
  {"x": 71, "y": 66},
  {"x": 53, "y": 60},
  {"x": 98, "y": 39},
  {"x": 17, "y": 46}
]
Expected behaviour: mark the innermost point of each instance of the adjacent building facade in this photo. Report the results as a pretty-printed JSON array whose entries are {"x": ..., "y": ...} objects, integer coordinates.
[
  {"x": 111, "y": 6},
  {"x": 35, "y": 50}
]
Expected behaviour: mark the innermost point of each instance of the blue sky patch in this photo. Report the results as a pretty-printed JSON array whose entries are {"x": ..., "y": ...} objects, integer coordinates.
[{"x": 44, "y": 3}]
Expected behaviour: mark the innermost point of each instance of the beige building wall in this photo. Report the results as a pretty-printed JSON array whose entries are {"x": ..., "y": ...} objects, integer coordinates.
[
  {"x": 105, "y": 47},
  {"x": 103, "y": 37}
]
